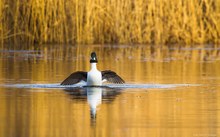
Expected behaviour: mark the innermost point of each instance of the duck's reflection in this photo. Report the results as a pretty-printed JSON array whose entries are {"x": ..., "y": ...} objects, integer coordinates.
[{"x": 95, "y": 96}]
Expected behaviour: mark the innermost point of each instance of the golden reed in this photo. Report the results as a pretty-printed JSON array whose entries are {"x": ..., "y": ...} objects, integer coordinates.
[{"x": 110, "y": 21}]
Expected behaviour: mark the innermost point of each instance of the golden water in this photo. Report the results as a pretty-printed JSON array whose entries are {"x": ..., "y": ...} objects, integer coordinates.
[{"x": 188, "y": 110}]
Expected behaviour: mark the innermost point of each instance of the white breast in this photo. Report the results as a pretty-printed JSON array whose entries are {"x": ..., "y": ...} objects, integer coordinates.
[{"x": 94, "y": 78}]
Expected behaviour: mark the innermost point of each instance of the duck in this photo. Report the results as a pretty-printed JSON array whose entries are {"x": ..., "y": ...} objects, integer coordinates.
[{"x": 94, "y": 77}]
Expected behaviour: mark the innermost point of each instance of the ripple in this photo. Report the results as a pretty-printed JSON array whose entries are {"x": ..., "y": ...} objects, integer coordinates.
[{"x": 82, "y": 85}]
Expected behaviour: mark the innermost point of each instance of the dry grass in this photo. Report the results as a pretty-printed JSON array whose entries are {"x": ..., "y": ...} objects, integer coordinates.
[
  {"x": 1, "y": 21},
  {"x": 110, "y": 21}
]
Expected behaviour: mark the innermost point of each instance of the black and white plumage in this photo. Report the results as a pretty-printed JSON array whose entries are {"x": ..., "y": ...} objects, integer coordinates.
[{"x": 94, "y": 77}]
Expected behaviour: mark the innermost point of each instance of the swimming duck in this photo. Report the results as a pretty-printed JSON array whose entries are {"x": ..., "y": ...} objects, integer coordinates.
[{"x": 94, "y": 77}]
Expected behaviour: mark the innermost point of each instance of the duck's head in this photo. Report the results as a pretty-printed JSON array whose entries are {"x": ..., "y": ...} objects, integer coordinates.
[{"x": 93, "y": 58}]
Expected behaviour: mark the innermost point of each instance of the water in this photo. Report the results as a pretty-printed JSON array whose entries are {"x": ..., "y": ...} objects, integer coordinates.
[{"x": 168, "y": 92}]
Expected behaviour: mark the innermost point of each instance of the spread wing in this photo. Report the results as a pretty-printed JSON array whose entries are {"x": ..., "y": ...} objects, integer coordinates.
[
  {"x": 75, "y": 78},
  {"x": 112, "y": 77}
]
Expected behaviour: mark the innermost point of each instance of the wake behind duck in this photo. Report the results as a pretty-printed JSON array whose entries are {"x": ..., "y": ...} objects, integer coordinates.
[{"x": 83, "y": 85}]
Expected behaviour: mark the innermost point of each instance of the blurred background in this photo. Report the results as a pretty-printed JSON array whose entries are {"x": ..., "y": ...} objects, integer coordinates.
[{"x": 167, "y": 52}]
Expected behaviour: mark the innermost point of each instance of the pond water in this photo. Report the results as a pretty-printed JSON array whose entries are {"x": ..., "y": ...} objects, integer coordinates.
[{"x": 169, "y": 92}]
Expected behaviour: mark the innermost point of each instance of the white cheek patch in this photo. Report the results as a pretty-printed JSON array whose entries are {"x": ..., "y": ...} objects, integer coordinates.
[{"x": 93, "y": 58}]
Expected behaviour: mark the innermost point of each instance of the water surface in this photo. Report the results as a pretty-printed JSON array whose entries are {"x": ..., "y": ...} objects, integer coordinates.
[{"x": 169, "y": 91}]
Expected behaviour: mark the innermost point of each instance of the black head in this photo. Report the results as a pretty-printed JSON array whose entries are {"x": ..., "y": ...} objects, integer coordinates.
[{"x": 93, "y": 58}]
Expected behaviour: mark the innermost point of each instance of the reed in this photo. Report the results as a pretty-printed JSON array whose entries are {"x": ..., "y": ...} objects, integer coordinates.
[
  {"x": 110, "y": 21},
  {"x": 1, "y": 23}
]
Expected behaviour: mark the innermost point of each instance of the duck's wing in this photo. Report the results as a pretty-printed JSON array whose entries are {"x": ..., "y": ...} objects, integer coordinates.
[
  {"x": 112, "y": 77},
  {"x": 75, "y": 78}
]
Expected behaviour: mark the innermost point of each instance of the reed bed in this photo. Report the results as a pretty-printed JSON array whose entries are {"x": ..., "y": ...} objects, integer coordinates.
[{"x": 110, "y": 21}]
